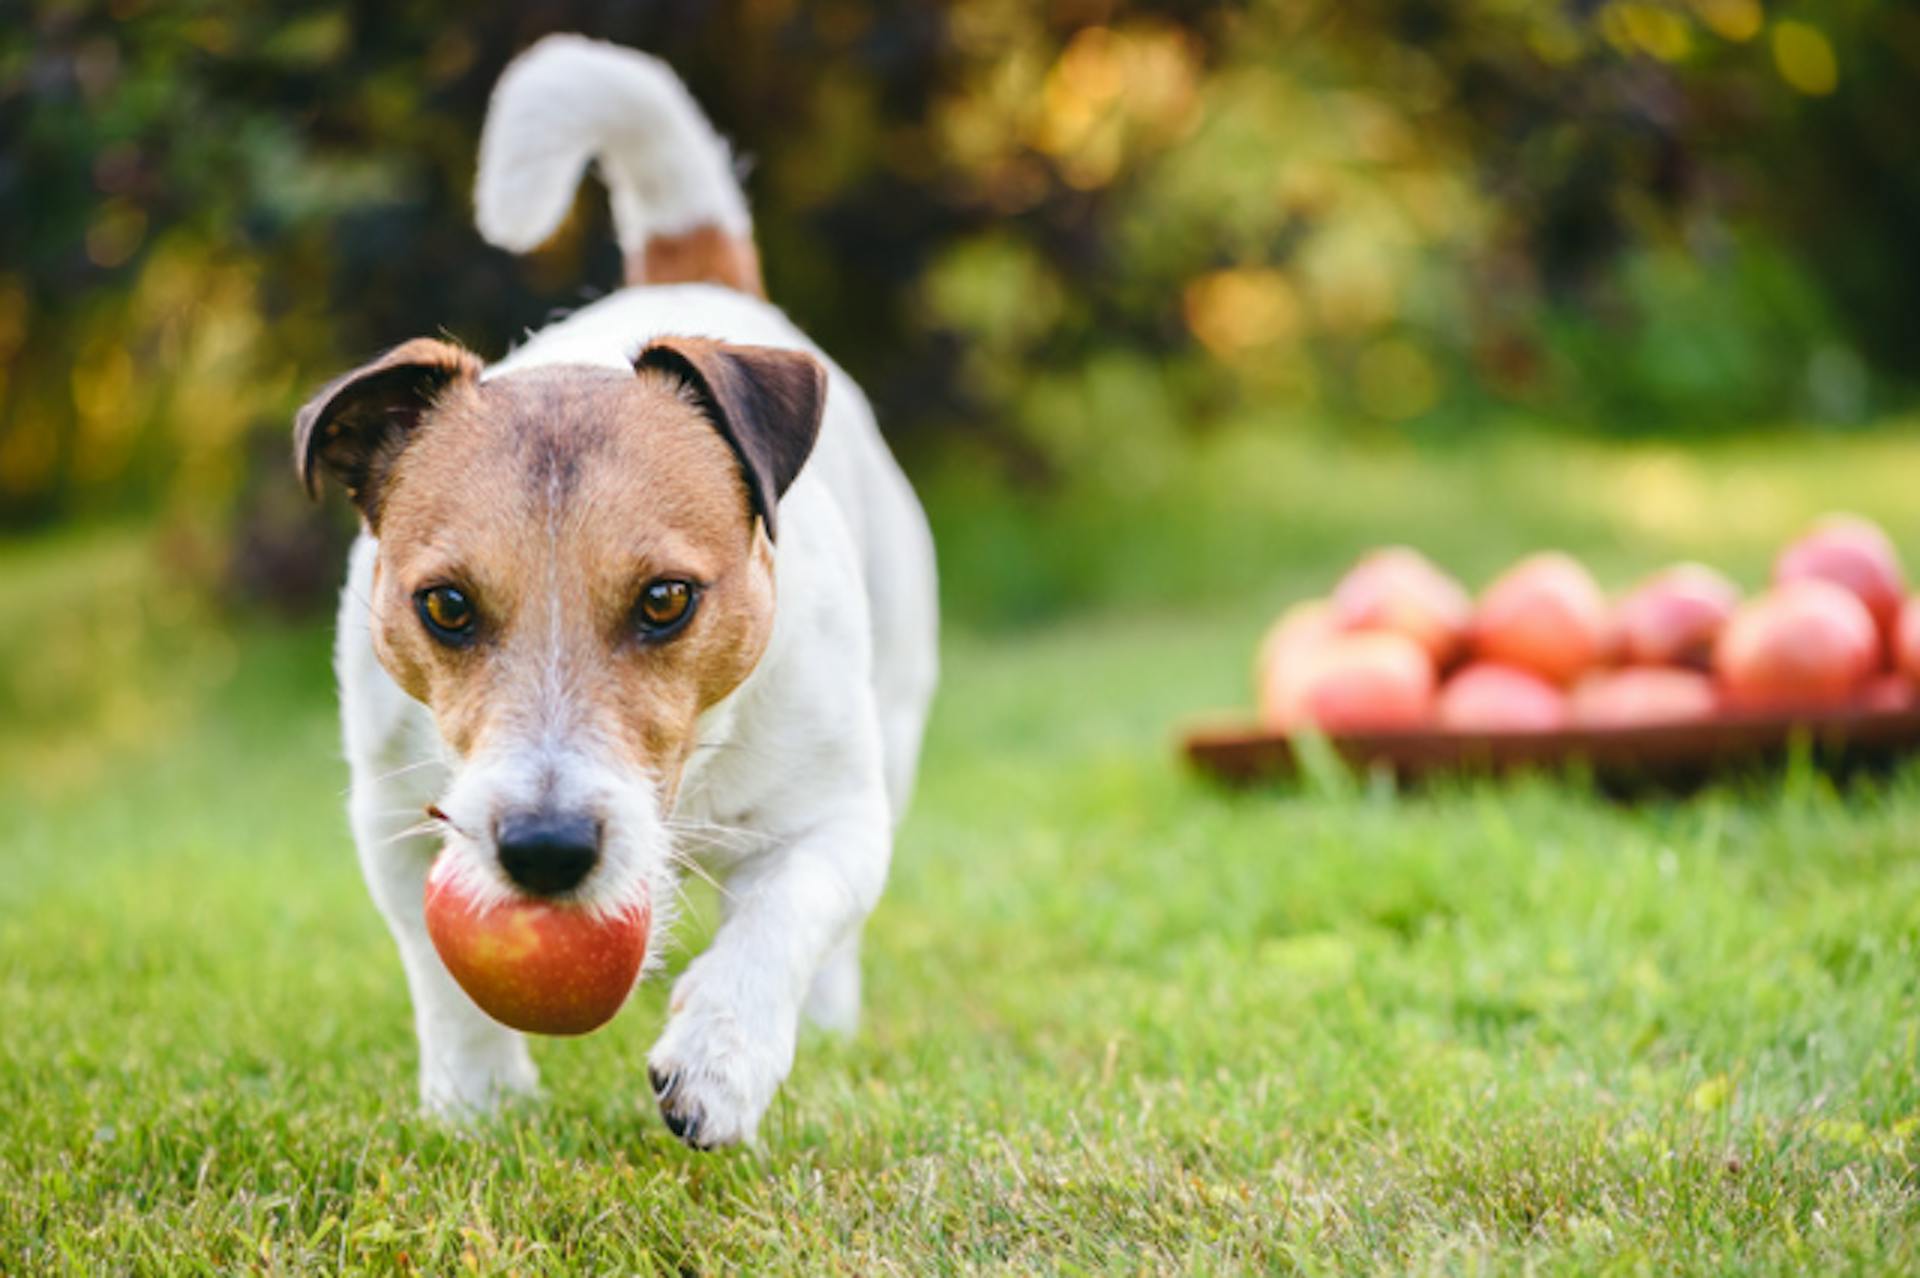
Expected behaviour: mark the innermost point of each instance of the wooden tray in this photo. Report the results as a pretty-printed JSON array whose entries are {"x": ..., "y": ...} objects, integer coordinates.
[{"x": 1674, "y": 756}]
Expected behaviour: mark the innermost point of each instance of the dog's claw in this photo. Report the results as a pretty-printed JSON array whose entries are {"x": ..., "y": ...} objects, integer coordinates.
[{"x": 683, "y": 1125}]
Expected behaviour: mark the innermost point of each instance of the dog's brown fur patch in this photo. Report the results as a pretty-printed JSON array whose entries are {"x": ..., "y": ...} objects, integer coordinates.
[
  {"x": 706, "y": 254},
  {"x": 551, "y": 496}
]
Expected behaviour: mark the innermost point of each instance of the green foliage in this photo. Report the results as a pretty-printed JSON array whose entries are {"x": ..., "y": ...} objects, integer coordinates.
[
  {"x": 1263, "y": 508},
  {"x": 1059, "y": 241}
]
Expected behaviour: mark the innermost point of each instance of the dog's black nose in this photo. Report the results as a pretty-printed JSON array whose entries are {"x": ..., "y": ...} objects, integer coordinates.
[{"x": 547, "y": 852}]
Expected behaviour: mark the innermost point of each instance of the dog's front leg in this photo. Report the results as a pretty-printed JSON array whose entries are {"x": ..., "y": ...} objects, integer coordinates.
[
  {"x": 735, "y": 1012},
  {"x": 468, "y": 1061}
]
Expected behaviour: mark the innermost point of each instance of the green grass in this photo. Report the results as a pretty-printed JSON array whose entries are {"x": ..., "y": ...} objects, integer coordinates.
[{"x": 1118, "y": 1020}]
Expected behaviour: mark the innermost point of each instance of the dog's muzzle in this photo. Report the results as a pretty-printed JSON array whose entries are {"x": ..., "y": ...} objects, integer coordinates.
[{"x": 546, "y": 851}]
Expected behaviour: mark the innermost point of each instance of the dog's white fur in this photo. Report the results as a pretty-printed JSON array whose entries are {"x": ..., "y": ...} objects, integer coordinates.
[
  {"x": 568, "y": 100},
  {"x": 800, "y": 774}
]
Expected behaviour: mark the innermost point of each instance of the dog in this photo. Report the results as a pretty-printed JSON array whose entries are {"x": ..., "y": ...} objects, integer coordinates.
[{"x": 647, "y": 596}]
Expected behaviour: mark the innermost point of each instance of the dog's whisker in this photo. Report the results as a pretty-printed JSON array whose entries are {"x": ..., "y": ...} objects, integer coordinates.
[
  {"x": 402, "y": 770},
  {"x": 678, "y": 858},
  {"x": 691, "y": 864},
  {"x": 699, "y": 823},
  {"x": 439, "y": 819},
  {"x": 742, "y": 835},
  {"x": 688, "y": 907},
  {"x": 362, "y": 600},
  {"x": 688, "y": 852},
  {"x": 712, "y": 842},
  {"x": 685, "y": 906},
  {"x": 737, "y": 746},
  {"x": 410, "y": 832},
  {"x": 405, "y": 768}
]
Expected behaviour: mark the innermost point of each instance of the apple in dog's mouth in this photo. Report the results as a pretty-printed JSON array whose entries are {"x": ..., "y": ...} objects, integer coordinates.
[{"x": 546, "y": 967}]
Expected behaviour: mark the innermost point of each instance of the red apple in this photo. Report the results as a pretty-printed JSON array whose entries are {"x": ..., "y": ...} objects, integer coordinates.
[
  {"x": 1808, "y": 643},
  {"x": 1374, "y": 680},
  {"x": 1488, "y": 697},
  {"x": 1400, "y": 589},
  {"x": 1641, "y": 695},
  {"x": 1283, "y": 659},
  {"x": 1545, "y": 614},
  {"x": 1906, "y": 639},
  {"x": 548, "y": 967},
  {"x": 1673, "y": 617},
  {"x": 1855, "y": 553},
  {"x": 1888, "y": 693}
]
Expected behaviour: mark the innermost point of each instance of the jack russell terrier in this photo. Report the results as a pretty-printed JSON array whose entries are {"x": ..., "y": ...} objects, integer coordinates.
[{"x": 648, "y": 595}]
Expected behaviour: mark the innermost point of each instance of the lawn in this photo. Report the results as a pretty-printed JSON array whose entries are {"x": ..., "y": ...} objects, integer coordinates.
[{"x": 1118, "y": 1019}]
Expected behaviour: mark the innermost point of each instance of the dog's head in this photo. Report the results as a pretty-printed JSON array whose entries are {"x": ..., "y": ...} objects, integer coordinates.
[{"x": 574, "y": 563}]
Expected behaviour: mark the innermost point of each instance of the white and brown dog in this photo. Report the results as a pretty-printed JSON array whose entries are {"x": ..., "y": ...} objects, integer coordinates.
[{"x": 648, "y": 594}]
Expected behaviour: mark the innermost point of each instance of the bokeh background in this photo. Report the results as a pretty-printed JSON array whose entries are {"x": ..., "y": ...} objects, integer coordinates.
[{"x": 1140, "y": 290}]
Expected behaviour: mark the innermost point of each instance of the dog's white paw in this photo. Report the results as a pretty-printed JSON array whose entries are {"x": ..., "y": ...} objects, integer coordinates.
[
  {"x": 462, "y": 1091},
  {"x": 714, "y": 1075}
]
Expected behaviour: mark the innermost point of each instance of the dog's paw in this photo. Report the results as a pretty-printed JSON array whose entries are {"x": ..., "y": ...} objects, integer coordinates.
[
  {"x": 464, "y": 1091},
  {"x": 713, "y": 1079}
]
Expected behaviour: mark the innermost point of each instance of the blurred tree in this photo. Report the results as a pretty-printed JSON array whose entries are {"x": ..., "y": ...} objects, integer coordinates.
[{"x": 1057, "y": 236}]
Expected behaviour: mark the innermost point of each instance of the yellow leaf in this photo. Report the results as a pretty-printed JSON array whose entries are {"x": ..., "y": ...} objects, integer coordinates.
[{"x": 1804, "y": 58}]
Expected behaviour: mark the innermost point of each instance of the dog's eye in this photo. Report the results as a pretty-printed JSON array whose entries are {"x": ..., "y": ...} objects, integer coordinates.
[
  {"x": 447, "y": 612},
  {"x": 664, "y": 607}
]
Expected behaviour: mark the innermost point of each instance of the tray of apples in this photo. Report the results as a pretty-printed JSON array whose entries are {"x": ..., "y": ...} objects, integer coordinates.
[{"x": 1678, "y": 679}]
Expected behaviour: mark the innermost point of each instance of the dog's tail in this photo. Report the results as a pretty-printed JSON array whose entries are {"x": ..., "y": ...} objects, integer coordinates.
[{"x": 677, "y": 207}]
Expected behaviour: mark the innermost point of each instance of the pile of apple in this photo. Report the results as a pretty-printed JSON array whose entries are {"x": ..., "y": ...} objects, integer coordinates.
[{"x": 1401, "y": 646}]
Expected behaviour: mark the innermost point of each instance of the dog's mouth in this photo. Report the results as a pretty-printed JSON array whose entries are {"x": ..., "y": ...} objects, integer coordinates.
[
  {"x": 539, "y": 965},
  {"x": 584, "y": 863}
]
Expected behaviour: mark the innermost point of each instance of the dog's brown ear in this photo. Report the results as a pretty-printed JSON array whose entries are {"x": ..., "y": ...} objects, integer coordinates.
[
  {"x": 356, "y": 425},
  {"x": 765, "y": 401}
]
